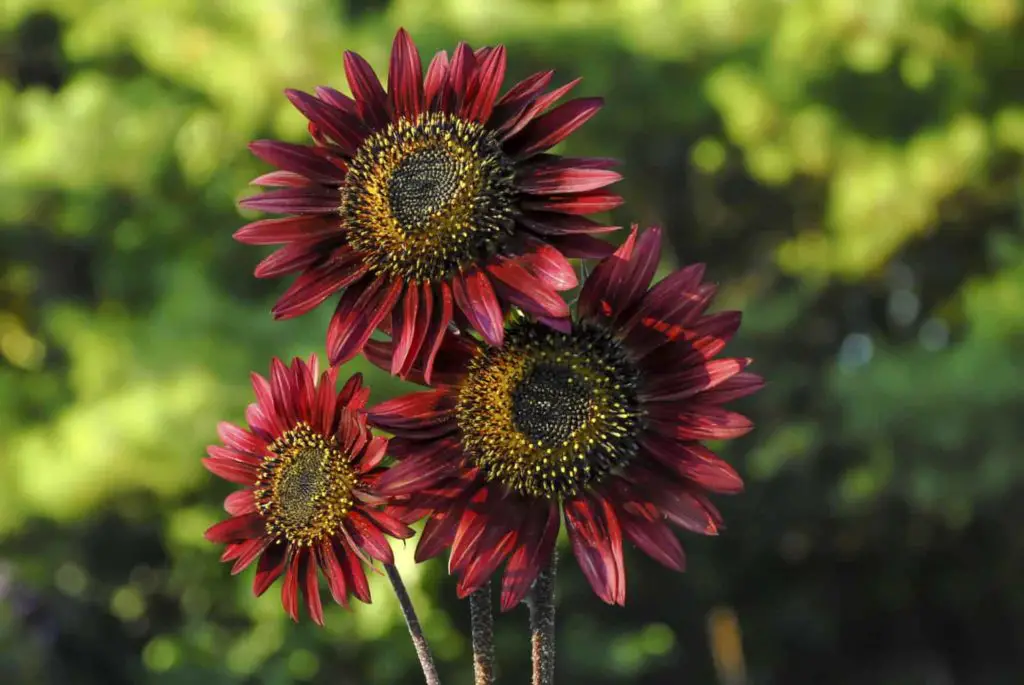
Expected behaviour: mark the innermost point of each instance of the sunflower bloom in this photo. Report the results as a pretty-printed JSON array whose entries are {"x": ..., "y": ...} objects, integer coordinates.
[
  {"x": 431, "y": 202},
  {"x": 601, "y": 425},
  {"x": 308, "y": 466}
]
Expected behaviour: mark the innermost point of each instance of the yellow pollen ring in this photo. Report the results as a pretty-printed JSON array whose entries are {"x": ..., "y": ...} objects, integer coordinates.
[
  {"x": 598, "y": 430},
  {"x": 304, "y": 488},
  {"x": 458, "y": 191}
]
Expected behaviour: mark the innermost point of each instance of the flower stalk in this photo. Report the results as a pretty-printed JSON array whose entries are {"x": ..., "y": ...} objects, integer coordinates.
[
  {"x": 419, "y": 640},
  {"x": 542, "y": 624},
  {"x": 482, "y": 620}
]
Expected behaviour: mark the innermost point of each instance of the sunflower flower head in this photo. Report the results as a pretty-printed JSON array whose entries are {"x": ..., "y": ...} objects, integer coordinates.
[
  {"x": 429, "y": 202},
  {"x": 601, "y": 424},
  {"x": 308, "y": 506}
]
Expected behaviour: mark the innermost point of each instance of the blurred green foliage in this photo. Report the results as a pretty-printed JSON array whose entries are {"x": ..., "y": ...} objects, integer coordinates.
[{"x": 851, "y": 170}]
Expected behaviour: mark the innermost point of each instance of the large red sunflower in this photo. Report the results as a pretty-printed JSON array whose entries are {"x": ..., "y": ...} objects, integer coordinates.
[
  {"x": 430, "y": 202},
  {"x": 308, "y": 464},
  {"x": 604, "y": 422}
]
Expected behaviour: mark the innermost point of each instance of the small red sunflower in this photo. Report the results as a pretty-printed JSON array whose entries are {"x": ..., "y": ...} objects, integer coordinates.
[
  {"x": 309, "y": 465},
  {"x": 430, "y": 202},
  {"x": 603, "y": 422}
]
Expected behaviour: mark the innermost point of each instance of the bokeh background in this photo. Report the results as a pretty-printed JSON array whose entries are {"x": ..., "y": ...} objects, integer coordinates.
[{"x": 851, "y": 171}]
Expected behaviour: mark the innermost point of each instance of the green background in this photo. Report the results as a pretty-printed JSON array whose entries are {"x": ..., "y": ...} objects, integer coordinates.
[{"x": 851, "y": 170}]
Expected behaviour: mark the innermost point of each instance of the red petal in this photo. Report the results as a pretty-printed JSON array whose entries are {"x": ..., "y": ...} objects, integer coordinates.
[
  {"x": 240, "y": 503},
  {"x": 421, "y": 471},
  {"x": 355, "y": 577},
  {"x": 290, "y": 587},
  {"x": 368, "y": 538},
  {"x": 248, "y": 552},
  {"x": 738, "y": 386},
  {"x": 642, "y": 266},
  {"x": 529, "y": 108},
  {"x": 405, "y": 76},
  {"x": 521, "y": 288},
  {"x": 556, "y": 179},
  {"x": 421, "y": 327},
  {"x": 232, "y": 470},
  {"x": 535, "y": 544},
  {"x": 288, "y": 229},
  {"x": 391, "y": 525},
  {"x": 436, "y": 80},
  {"x": 291, "y": 257},
  {"x": 512, "y": 104},
  {"x": 483, "y": 564},
  {"x": 283, "y": 391},
  {"x": 692, "y": 462},
  {"x": 439, "y": 531},
  {"x": 483, "y": 90},
  {"x": 403, "y": 328},
  {"x": 240, "y": 439},
  {"x": 550, "y": 224},
  {"x": 552, "y": 128},
  {"x": 655, "y": 539},
  {"x": 550, "y": 265},
  {"x": 584, "y": 203},
  {"x": 413, "y": 409},
  {"x": 460, "y": 71},
  {"x": 237, "y": 529},
  {"x": 301, "y": 159},
  {"x": 374, "y": 454},
  {"x": 442, "y": 316},
  {"x": 282, "y": 179},
  {"x": 359, "y": 312},
  {"x": 343, "y": 130},
  {"x": 597, "y": 544},
  {"x": 269, "y": 568},
  {"x": 672, "y": 386},
  {"x": 316, "y": 285},
  {"x": 311, "y": 590},
  {"x": 698, "y": 423},
  {"x": 370, "y": 96},
  {"x": 308, "y": 200},
  {"x": 597, "y": 296},
  {"x": 334, "y": 573},
  {"x": 475, "y": 296},
  {"x": 337, "y": 99},
  {"x": 582, "y": 245}
]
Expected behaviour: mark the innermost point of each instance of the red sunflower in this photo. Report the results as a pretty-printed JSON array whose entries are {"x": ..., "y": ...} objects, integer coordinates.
[
  {"x": 603, "y": 424},
  {"x": 431, "y": 202},
  {"x": 308, "y": 464}
]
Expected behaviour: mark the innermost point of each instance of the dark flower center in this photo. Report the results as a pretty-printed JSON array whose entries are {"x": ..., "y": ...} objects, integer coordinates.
[
  {"x": 304, "y": 488},
  {"x": 550, "y": 404},
  {"x": 550, "y": 413},
  {"x": 426, "y": 196},
  {"x": 423, "y": 184}
]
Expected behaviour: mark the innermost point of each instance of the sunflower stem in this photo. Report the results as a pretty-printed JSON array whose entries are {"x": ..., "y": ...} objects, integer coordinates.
[
  {"x": 542, "y": 624},
  {"x": 482, "y": 620},
  {"x": 419, "y": 640}
]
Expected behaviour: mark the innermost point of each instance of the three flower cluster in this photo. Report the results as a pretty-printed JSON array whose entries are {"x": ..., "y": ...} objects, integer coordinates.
[{"x": 434, "y": 212}]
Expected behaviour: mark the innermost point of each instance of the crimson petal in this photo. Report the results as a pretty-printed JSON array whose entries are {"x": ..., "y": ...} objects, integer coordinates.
[
  {"x": 597, "y": 544},
  {"x": 313, "y": 287},
  {"x": 552, "y": 128},
  {"x": 310, "y": 200},
  {"x": 370, "y": 96},
  {"x": 483, "y": 89},
  {"x": 288, "y": 229},
  {"x": 533, "y": 551},
  {"x": 359, "y": 312},
  {"x": 405, "y": 76},
  {"x": 301, "y": 159},
  {"x": 475, "y": 297}
]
